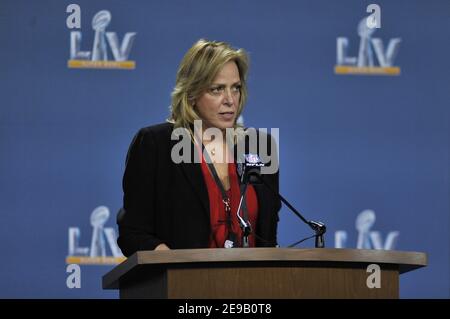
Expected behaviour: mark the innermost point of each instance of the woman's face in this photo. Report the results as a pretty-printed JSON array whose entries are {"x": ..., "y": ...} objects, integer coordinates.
[{"x": 217, "y": 106}]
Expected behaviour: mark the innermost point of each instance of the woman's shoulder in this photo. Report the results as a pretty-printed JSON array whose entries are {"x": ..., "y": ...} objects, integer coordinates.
[
  {"x": 156, "y": 132},
  {"x": 158, "y": 129}
]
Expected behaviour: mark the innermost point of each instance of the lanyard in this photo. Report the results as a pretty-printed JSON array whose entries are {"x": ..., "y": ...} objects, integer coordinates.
[
  {"x": 225, "y": 199},
  {"x": 230, "y": 242},
  {"x": 231, "y": 239}
]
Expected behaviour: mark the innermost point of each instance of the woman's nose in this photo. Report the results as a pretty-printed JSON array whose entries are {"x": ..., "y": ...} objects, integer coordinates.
[{"x": 228, "y": 97}]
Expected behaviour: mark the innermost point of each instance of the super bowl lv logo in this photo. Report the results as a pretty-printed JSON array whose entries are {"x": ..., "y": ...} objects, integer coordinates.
[
  {"x": 367, "y": 238},
  {"x": 97, "y": 253},
  {"x": 97, "y": 58},
  {"x": 371, "y": 50}
]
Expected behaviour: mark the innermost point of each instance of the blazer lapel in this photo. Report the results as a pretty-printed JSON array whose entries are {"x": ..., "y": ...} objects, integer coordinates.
[{"x": 194, "y": 175}]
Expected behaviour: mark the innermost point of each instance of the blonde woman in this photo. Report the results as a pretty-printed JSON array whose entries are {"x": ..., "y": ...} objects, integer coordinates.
[{"x": 192, "y": 203}]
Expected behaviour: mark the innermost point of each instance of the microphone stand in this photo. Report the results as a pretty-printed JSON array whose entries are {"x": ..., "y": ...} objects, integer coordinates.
[
  {"x": 318, "y": 227},
  {"x": 245, "y": 225}
]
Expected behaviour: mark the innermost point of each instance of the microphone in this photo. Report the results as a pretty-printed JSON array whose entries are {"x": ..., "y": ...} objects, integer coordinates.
[{"x": 249, "y": 170}]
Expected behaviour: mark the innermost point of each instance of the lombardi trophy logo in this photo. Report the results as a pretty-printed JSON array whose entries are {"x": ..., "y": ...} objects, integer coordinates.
[
  {"x": 367, "y": 239},
  {"x": 99, "y": 23},
  {"x": 98, "y": 57},
  {"x": 369, "y": 48},
  {"x": 96, "y": 254},
  {"x": 98, "y": 218}
]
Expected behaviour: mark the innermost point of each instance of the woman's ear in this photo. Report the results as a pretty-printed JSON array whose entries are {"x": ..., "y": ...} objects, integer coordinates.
[
  {"x": 191, "y": 100},
  {"x": 193, "y": 103}
]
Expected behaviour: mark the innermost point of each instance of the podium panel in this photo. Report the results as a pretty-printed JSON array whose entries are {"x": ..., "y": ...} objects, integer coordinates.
[{"x": 261, "y": 273}]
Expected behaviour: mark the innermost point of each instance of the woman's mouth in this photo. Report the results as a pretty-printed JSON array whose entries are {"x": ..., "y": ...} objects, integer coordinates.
[{"x": 227, "y": 116}]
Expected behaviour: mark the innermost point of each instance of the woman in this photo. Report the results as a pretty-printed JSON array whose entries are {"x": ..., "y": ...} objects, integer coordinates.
[{"x": 173, "y": 204}]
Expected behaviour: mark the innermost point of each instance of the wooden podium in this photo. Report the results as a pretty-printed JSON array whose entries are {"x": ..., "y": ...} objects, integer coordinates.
[{"x": 260, "y": 273}]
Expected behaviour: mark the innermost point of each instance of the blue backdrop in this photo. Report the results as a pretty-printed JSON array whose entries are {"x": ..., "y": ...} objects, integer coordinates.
[{"x": 348, "y": 143}]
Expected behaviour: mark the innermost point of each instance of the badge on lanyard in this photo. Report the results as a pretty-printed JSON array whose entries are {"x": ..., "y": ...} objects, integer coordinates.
[
  {"x": 231, "y": 239},
  {"x": 229, "y": 243}
]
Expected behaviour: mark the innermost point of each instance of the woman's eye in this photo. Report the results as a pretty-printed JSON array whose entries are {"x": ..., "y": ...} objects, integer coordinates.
[
  {"x": 220, "y": 89},
  {"x": 216, "y": 90}
]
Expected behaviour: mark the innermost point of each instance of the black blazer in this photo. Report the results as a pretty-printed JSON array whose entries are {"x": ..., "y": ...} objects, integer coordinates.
[{"x": 168, "y": 203}]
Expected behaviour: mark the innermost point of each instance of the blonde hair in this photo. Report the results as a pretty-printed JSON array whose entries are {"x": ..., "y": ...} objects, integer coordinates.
[{"x": 197, "y": 71}]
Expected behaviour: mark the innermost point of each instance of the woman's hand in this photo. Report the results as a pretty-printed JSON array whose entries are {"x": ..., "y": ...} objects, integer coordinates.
[{"x": 162, "y": 247}]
